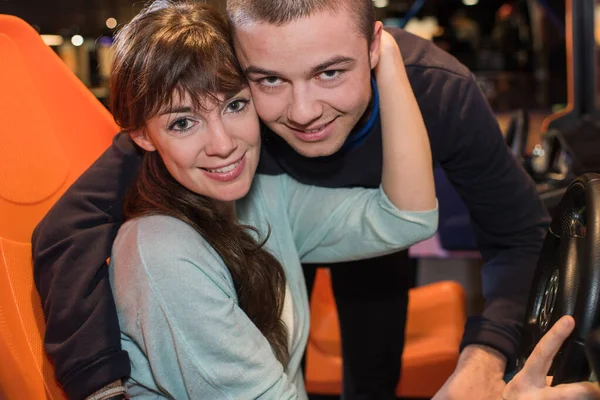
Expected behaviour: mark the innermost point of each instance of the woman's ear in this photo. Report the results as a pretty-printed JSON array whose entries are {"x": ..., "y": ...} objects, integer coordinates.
[
  {"x": 375, "y": 47},
  {"x": 141, "y": 138}
]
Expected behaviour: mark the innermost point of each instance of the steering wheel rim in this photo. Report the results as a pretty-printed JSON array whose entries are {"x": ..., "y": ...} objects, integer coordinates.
[{"x": 567, "y": 279}]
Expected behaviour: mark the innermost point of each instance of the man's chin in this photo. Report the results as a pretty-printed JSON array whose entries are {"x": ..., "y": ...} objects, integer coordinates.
[
  {"x": 318, "y": 149},
  {"x": 312, "y": 149},
  {"x": 321, "y": 148}
]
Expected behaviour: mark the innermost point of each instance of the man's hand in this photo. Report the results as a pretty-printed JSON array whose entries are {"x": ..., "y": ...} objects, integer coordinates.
[
  {"x": 479, "y": 375},
  {"x": 531, "y": 383}
]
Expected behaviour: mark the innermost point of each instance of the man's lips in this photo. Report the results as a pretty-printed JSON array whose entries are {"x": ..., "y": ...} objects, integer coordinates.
[{"x": 314, "y": 134}]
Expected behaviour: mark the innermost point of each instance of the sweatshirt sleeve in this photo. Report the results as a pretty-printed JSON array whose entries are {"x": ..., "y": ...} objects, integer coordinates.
[
  {"x": 507, "y": 215},
  {"x": 334, "y": 225},
  {"x": 70, "y": 248},
  {"x": 178, "y": 306}
]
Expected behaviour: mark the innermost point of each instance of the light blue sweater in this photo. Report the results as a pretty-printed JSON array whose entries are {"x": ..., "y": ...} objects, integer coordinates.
[{"x": 180, "y": 321}]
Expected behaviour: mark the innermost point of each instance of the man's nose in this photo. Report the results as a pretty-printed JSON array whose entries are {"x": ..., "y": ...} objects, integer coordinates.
[{"x": 304, "y": 108}]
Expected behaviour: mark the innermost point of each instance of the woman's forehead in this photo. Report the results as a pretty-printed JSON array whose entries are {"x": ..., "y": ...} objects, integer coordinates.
[{"x": 200, "y": 101}]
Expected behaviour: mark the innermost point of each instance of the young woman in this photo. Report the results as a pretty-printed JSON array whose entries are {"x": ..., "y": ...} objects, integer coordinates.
[{"x": 206, "y": 272}]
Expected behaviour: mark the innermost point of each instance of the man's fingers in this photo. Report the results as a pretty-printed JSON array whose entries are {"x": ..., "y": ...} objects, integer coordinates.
[
  {"x": 573, "y": 391},
  {"x": 537, "y": 365}
]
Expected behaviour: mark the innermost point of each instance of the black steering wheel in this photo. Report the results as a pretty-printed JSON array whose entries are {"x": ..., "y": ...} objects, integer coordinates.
[{"x": 567, "y": 279}]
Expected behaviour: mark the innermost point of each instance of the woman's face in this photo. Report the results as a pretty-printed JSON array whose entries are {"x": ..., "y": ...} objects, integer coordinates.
[{"x": 211, "y": 152}]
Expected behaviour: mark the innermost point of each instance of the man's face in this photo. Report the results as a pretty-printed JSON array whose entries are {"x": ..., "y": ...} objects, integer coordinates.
[{"x": 310, "y": 79}]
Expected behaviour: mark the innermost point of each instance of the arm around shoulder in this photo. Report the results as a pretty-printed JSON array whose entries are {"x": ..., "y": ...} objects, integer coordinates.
[
  {"x": 407, "y": 176},
  {"x": 333, "y": 225},
  {"x": 70, "y": 247}
]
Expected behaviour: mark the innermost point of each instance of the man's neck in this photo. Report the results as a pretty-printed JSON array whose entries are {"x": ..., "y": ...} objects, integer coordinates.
[
  {"x": 368, "y": 112},
  {"x": 362, "y": 129}
]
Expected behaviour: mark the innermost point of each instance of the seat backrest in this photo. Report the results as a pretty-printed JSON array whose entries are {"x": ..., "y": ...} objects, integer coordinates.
[{"x": 51, "y": 130}]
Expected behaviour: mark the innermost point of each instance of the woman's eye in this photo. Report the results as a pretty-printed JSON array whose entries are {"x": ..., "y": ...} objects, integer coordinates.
[
  {"x": 237, "y": 105},
  {"x": 182, "y": 125}
]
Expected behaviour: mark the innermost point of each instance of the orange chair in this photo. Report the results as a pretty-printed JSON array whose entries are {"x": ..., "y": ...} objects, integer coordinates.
[
  {"x": 51, "y": 129},
  {"x": 436, "y": 318}
]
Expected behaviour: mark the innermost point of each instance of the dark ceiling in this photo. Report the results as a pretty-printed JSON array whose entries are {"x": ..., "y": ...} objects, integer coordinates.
[
  {"x": 68, "y": 17},
  {"x": 88, "y": 17}
]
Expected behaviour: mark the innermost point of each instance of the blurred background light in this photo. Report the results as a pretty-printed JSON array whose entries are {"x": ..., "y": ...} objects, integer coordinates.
[
  {"x": 53, "y": 40},
  {"x": 77, "y": 40},
  {"x": 381, "y": 3},
  {"x": 111, "y": 23}
]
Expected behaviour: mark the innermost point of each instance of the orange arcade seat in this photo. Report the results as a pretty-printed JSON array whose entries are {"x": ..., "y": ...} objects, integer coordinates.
[
  {"x": 436, "y": 318},
  {"x": 51, "y": 129}
]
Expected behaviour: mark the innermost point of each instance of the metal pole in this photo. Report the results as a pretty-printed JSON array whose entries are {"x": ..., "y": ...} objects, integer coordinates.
[
  {"x": 584, "y": 56},
  {"x": 581, "y": 64}
]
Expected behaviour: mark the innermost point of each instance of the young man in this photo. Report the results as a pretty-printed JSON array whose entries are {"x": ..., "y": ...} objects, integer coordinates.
[
  {"x": 308, "y": 64},
  {"x": 309, "y": 67}
]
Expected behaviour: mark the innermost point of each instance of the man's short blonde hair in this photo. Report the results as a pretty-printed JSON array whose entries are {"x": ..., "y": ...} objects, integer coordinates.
[{"x": 281, "y": 12}]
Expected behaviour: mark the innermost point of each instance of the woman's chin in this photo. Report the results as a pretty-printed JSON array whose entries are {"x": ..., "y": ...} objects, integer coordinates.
[{"x": 234, "y": 193}]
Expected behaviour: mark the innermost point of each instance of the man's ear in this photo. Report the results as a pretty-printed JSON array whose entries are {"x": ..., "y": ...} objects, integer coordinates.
[
  {"x": 141, "y": 138},
  {"x": 374, "y": 48}
]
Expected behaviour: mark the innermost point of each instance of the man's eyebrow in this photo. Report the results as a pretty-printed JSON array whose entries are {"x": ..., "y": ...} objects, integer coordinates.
[
  {"x": 259, "y": 71},
  {"x": 335, "y": 60},
  {"x": 176, "y": 110}
]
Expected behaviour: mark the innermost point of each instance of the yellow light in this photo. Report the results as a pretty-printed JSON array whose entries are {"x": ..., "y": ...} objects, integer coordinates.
[
  {"x": 381, "y": 3},
  {"x": 597, "y": 24},
  {"x": 52, "y": 40},
  {"x": 470, "y": 2},
  {"x": 77, "y": 40},
  {"x": 111, "y": 23}
]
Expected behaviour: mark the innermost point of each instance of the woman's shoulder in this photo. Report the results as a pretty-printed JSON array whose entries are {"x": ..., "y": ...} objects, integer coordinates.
[
  {"x": 274, "y": 186},
  {"x": 153, "y": 230},
  {"x": 160, "y": 239},
  {"x": 264, "y": 180},
  {"x": 267, "y": 198}
]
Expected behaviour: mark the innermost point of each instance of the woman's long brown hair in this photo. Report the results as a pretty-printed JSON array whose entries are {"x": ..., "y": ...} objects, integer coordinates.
[{"x": 179, "y": 48}]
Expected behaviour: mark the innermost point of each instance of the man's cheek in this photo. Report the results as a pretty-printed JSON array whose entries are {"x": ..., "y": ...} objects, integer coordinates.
[
  {"x": 266, "y": 109},
  {"x": 345, "y": 98}
]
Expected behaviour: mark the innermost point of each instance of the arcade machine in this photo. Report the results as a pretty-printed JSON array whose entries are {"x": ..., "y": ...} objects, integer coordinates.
[
  {"x": 570, "y": 145},
  {"x": 566, "y": 165}
]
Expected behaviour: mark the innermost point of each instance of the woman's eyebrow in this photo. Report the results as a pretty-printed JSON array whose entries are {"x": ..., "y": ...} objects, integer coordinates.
[{"x": 177, "y": 109}]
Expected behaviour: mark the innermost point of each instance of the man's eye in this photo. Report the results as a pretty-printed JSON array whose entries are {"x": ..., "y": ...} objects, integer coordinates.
[
  {"x": 330, "y": 75},
  {"x": 270, "y": 81}
]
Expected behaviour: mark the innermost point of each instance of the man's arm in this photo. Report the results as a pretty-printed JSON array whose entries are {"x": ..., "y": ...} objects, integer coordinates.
[
  {"x": 70, "y": 248},
  {"x": 509, "y": 221},
  {"x": 508, "y": 218}
]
